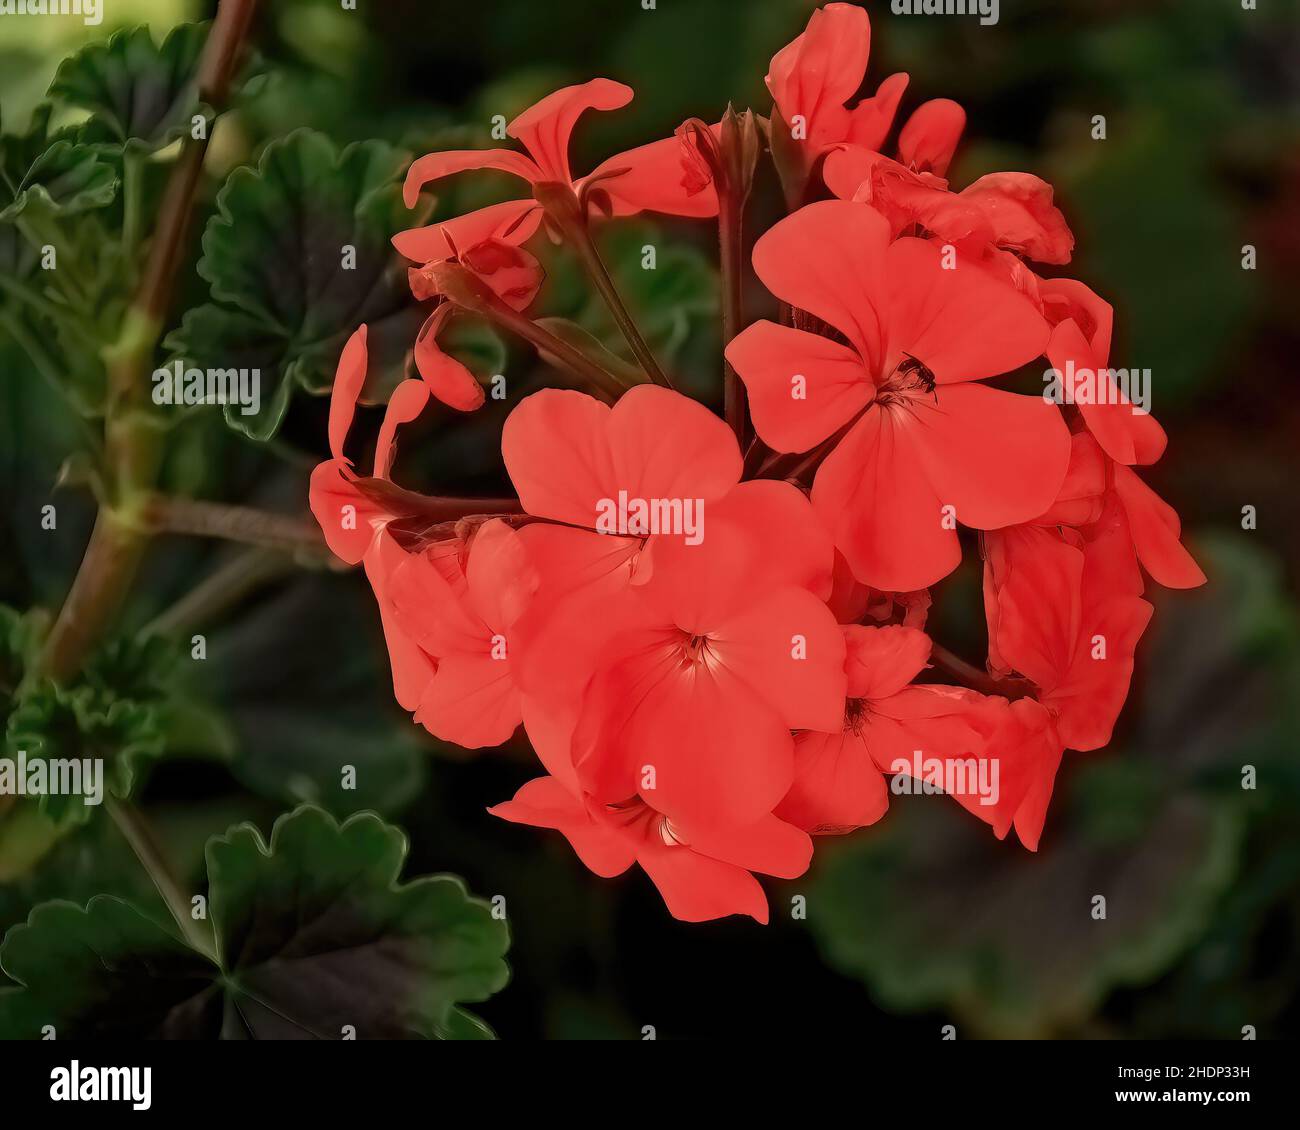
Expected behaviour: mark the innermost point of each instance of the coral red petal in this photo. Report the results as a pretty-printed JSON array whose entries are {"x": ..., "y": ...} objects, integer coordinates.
[
  {"x": 873, "y": 494},
  {"x": 996, "y": 457},
  {"x": 929, "y": 139},
  {"x": 435, "y": 166},
  {"x": 837, "y": 786},
  {"x": 788, "y": 648},
  {"x": 651, "y": 181},
  {"x": 545, "y": 803},
  {"x": 698, "y": 889},
  {"x": 406, "y": 404},
  {"x": 349, "y": 378},
  {"x": 821, "y": 69},
  {"x": 1156, "y": 529},
  {"x": 449, "y": 381},
  {"x": 871, "y": 120},
  {"x": 880, "y": 662},
  {"x": 770, "y": 846},
  {"x": 962, "y": 323},
  {"x": 1024, "y": 219},
  {"x": 802, "y": 387},
  {"x": 829, "y": 259},
  {"x": 514, "y": 221},
  {"x": 545, "y": 129},
  {"x": 471, "y": 701}
]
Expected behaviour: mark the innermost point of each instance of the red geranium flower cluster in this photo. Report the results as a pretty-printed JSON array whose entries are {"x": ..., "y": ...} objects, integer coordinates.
[{"x": 713, "y": 632}]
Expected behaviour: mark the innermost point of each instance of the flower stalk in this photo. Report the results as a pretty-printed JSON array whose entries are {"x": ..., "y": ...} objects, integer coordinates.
[
  {"x": 569, "y": 216},
  {"x": 460, "y": 285},
  {"x": 132, "y": 439}
]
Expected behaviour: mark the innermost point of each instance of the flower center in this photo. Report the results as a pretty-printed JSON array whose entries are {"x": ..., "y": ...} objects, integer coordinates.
[
  {"x": 910, "y": 380},
  {"x": 855, "y": 715}
]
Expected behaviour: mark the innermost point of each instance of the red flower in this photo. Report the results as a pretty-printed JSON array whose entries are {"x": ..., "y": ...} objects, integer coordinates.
[
  {"x": 466, "y": 617},
  {"x": 921, "y": 435},
  {"x": 355, "y": 523},
  {"x": 1079, "y": 350},
  {"x": 648, "y": 178},
  {"x": 1012, "y": 211},
  {"x": 712, "y": 661},
  {"x": 928, "y": 732},
  {"x": 702, "y": 871},
  {"x": 512, "y": 273},
  {"x": 813, "y": 77},
  {"x": 716, "y": 659}
]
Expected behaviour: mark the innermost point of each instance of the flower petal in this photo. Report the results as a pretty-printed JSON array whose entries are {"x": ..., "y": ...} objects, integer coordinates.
[
  {"x": 545, "y": 129},
  {"x": 435, "y": 166},
  {"x": 829, "y": 259},
  {"x": 802, "y": 387},
  {"x": 874, "y": 495},
  {"x": 929, "y": 139}
]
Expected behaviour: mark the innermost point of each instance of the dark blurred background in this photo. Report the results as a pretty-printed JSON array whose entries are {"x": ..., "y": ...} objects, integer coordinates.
[{"x": 925, "y": 919}]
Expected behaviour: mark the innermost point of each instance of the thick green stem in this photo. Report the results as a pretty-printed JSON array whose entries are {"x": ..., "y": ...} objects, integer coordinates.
[{"x": 132, "y": 441}]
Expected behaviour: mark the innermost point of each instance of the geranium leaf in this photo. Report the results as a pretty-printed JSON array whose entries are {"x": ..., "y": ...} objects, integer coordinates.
[
  {"x": 315, "y": 939},
  {"x": 297, "y": 256},
  {"x": 51, "y": 174},
  {"x": 139, "y": 94}
]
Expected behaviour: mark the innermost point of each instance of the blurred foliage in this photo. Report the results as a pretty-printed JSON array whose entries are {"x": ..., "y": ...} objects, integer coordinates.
[{"x": 923, "y": 921}]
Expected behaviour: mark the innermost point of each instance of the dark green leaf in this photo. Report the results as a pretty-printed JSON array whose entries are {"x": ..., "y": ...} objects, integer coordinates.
[
  {"x": 315, "y": 939},
  {"x": 283, "y": 301},
  {"x": 50, "y": 174},
  {"x": 139, "y": 94}
]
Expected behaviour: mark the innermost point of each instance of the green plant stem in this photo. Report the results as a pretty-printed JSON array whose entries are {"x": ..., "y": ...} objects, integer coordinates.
[
  {"x": 580, "y": 237},
  {"x": 133, "y": 449},
  {"x": 162, "y": 514},
  {"x": 139, "y": 836},
  {"x": 731, "y": 260},
  {"x": 222, "y": 590},
  {"x": 133, "y": 172}
]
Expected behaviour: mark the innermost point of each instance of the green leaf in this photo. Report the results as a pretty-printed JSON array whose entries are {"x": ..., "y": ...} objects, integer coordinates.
[
  {"x": 327, "y": 704},
  {"x": 51, "y": 175},
  {"x": 933, "y": 913},
  {"x": 139, "y": 94},
  {"x": 283, "y": 300},
  {"x": 79, "y": 725},
  {"x": 18, "y": 638},
  {"x": 314, "y": 937},
  {"x": 103, "y": 972}
]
